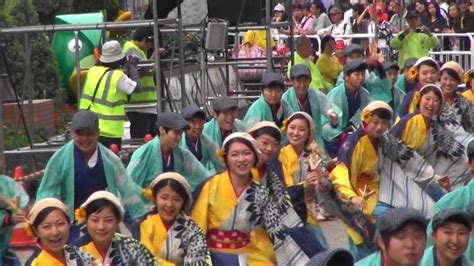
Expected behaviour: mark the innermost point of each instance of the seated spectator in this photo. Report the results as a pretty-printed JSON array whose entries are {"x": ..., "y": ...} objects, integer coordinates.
[
  {"x": 437, "y": 22},
  {"x": 397, "y": 21},
  {"x": 401, "y": 239},
  {"x": 328, "y": 64},
  {"x": 303, "y": 56},
  {"x": 306, "y": 25},
  {"x": 256, "y": 38},
  {"x": 338, "y": 27},
  {"x": 340, "y": 46},
  {"x": 451, "y": 231},
  {"x": 411, "y": 42},
  {"x": 279, "y": 15},
  {"x": 454, "y": 26},
  {"x": 320, "y": 18},
  {"x": 296, "y": 18},
  {"x": 420, "y": 8},
  {"x": 360, "y": 22}
]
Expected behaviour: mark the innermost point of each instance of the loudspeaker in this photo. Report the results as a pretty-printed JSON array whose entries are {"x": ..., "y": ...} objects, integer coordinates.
[
  {"x": 230, "y": 9},
  {"x": 216, "y": 36}
]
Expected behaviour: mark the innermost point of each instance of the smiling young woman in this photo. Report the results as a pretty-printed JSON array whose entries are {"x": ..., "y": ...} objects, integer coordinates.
[
  {"x": 102, "y": 212},
  {"x": 170, "y": 234},
  {"x": 49, "y": 222}
]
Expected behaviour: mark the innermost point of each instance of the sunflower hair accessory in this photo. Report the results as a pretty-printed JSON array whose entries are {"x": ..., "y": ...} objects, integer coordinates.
[
  {"x": 29, "y": 229},
  {"x": 284, "y": 125},
  {"x": 412, "y": 73},
  {"x": 148, "y": 193},
  {"x": 367, "y": 116},
  {"x": 80, "y": 215},
  {"x": 220, "y": 154},
  {"x": 466, "y": 77}
]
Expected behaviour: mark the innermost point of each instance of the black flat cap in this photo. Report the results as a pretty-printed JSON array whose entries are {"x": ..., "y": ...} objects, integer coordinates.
[
  {"x": 193, "y": 111},
  {"x": 300, "y": 71},
  {"x": 171, "y": 120},
  {"x": 224, "y": 103},
  {"x": 412, "y": 14},
  {"x": 85, "y": 120},
  {"x": 353, "y": 48},
  {"x": 271, "y": 79},
  {"x": 392, "y": 65},
  {"x": 448, "y": 215},
  {"x": 395, "y": 219},
  {"x": 336, "y": 257},
  {"x": 354, "y": 66}
]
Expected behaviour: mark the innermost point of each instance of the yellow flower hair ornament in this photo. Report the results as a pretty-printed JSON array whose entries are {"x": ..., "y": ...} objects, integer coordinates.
[
  {"x": 366, "y": 116},
  {"x": 220, "y": 154},
  {"x": 80, "y": 215},
  {"x": 29, "y": 229},
  {"x": 412, "y": 73},
  {"x": 467, "y": 76},
  {"x": 148, "y": 193},
  {"x": 284, "y": 124}
]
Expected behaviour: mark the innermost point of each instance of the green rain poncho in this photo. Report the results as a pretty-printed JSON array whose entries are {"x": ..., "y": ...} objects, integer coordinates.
[
  {"x": 260, "y": 111},
  {"x": 209, "y": 157},
  {"x": 147, "y": 163},
  {"x": 428, "y": 258},
  {"x": 213, "y": 131},
  {"x": 319, "y": 104},
  {"x": 58, "y": 180},
  {"x": 338, "y": 97},
  {"x": 9, "y": 190}
]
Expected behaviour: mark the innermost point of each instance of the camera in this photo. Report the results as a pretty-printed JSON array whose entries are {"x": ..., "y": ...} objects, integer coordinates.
[{"x": 420, "y": 29}]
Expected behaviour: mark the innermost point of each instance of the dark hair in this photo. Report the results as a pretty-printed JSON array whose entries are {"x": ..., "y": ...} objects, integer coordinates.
[
  {"x": 433, "y": 89},
  {"x": 100, "y": 204},
  {"x": 437, "y": 12},
  {"x": 243, "y": 141},
  {"x": 297, "y": 6},
  {"x": 141, "y": 33},
  {"x": 307, "y": 7},
  {"x": 272, "y": 132},
  {"x": 470, "y": 151},
  {"x": 359, "y": 8},
  {"x": 167, "y": 129},
  {"x": 453, "y": 74},
  {"x": 174, "y": 185},
  {"x": 382, "y": 113},
  {"x": 428, "y": 63},
  {"x": 386, "y": 237},
  {"x": 319, "y": 5},
  {"x": 44, "y": 213},
  {"x": 326, "y": 39}
]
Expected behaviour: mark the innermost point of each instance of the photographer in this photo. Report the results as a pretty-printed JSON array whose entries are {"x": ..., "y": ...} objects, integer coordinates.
[{"x": 414, "y": 41}]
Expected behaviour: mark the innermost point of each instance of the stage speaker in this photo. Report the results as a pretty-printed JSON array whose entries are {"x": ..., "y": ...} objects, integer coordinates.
[
  {"x": 229, "y": 10},
  {"x": 216, "y": 36}
]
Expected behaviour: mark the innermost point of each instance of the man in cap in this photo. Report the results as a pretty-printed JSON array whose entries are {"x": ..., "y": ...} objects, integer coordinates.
[
  {"x": 303, "y": 56},
  {"x": 351, "y": 98},
  {"x": 414, "y": 41},
  {"x": 224, "y": 121},
  {"x": 451, "y": 231},
  {"x": 405, "y": 84},
  {"x": 200, "y": 145},
  {"x": 269, "y": 106},
  {"x": 352, "y": 52},
  {"x": 84, "y": 166},
  {"x": 301, "y": 98},
  {"x": 395, "y": 93},
  {"x": 401, "y": 239},
  {"x": 105, "y": 93},
  {"x": 339, "y": 26},
  {"x": 163, "y": 154},
  {"x": 142, "y": 119}
]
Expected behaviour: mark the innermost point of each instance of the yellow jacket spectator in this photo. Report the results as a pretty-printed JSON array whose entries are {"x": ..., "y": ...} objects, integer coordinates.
[{"x": 328, "y": 64}]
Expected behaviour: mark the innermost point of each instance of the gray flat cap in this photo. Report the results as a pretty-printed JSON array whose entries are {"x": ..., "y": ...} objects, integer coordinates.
[
  {"x": 85, "y": 120},
  {"x": 172, "y": 120},
  {"x": 300, "y": 71},
  {"x": 354, "y": 66},
  {"x": 395, "y": 219},
  {"x": 353, "y": 48},
  {"x": 193, "y": 111},
  {"x": 447, "y": 215},
  {"x": 224, "y": 103},
  {"x": 271, "y": 79}
]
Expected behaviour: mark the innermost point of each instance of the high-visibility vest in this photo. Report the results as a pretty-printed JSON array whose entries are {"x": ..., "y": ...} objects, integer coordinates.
[
  {"x": 109, "y": 101},
  {"x": 147, "y": 93}
]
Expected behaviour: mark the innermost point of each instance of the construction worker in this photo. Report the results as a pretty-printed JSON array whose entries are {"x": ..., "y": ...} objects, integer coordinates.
[
  {"x": 105, "y": 93},
  {"x": 143, "y": 118}
]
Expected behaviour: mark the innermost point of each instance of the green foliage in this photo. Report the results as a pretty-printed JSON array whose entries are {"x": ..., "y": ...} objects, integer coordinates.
[
  {"x": 17, "y": 138},
  {"x": 44, "y": 72},
  {"x": 48, "y": 9},
  {"x": 111, "y": 7}
]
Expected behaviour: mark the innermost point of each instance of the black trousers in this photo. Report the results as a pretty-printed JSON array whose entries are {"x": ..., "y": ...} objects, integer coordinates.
[
  {"x": 107, "y": 142},
  {"x": 141, "y": 124}
]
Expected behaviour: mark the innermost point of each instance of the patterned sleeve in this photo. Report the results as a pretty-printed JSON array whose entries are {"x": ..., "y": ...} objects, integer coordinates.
[{"x": 196, "y": 253}]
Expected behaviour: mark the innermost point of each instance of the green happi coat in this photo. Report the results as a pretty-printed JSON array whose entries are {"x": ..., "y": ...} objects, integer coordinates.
[
  {"x": 428, "y": 258},
  {"x": 213, "y": 131},
  {"x": 319, "y": 105},
  {"x": 338, "y": 97},
  {"x": 58, "y": 180},
  {"x": 209, "y": 157},
  {"x": 147, "y": 163},
  {"x": 260, "y": 111}
]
